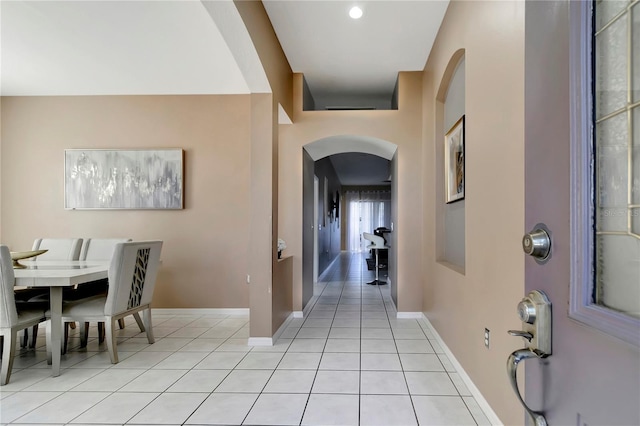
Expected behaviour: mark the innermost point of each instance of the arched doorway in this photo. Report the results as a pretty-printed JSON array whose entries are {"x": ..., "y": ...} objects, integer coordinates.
[{"x": 327, "y": 200}]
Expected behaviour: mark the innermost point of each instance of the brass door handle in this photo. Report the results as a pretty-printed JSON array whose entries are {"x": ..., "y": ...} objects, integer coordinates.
[{"x": 512, "y": 366}]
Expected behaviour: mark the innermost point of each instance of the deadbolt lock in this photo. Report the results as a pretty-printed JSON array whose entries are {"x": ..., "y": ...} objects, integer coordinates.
[{"x": 537, "y": 243}]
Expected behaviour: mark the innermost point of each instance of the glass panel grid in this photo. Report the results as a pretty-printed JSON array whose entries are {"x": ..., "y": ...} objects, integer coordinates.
[{"x": 617, "y": 152}]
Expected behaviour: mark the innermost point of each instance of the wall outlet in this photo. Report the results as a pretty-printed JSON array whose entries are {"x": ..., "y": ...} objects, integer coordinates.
[
  {"x": 486, "y": 337},
  {"x": 248, "y": 278}
]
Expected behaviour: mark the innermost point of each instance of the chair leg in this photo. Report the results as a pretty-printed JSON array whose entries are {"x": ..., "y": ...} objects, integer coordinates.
[
  {"x": 65, "y": 338},
  {"x": 111, "y": 340},
  {"x": 121, "y": 323},
  {"x": 139, "y": 321},
  {"x": 100, "y": 332},
  {"x": 84, "y": 335},
  {"x": 48, "y": 345},
  {"x": 148, "y": 326},
  {"x": 24, "y": 338},
  {"x": 34, "y": 336},
  {"x": 8, "y": 353}
]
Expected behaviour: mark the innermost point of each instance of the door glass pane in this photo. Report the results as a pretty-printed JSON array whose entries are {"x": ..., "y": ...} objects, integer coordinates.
[
  {"x": 635, "y": 33},
  {"x": 611, "y": 68},
  {"x": 617, "y": 152},
  {"x": 607, "y": 10}
]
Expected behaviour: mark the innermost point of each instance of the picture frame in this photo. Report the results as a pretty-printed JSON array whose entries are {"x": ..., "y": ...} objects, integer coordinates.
[
  {"x": 123, "y": 179},
  {"x": 454, "y": 173}
]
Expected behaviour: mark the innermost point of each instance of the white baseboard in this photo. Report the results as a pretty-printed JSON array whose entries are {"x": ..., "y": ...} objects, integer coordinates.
[
  {"x": 281, "y": 329},
  {"x": 201, "y": 311},
  {"x": 260, "y": 341},
  {"x": 307, "y": 309},
  {"x": 484, "y": 405},
  {"x": 409, "y": 315},
  {"x": 270, "y": 341}
]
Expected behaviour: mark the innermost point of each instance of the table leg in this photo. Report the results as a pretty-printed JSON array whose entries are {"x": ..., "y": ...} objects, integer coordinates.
[{"x": 56, "y": 329}]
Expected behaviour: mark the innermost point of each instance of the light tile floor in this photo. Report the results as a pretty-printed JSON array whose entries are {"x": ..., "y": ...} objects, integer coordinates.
[{"x": 350, "y": 362}]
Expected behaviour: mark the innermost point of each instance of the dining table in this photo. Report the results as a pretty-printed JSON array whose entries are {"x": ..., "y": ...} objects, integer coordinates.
[{"x": 56, "y": 275}]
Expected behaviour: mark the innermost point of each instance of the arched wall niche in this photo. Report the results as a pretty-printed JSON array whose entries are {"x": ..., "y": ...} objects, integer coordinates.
[
  {"x": 455, "y": 60},
  {"x": 450, "y": 218}
]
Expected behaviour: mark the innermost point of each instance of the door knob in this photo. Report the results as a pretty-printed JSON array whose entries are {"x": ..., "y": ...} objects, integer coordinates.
[
  {"x": 527, "y": 311},
  {"x": 537, "y": 243}
]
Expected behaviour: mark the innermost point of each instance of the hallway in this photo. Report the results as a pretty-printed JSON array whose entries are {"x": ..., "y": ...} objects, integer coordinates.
[{"x": 349, "y": 362}]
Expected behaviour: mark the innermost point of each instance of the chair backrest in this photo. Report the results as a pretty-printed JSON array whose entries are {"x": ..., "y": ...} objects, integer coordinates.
[
  {"x": 132, "y": 275},
  {"x": 99, "y": 248},
  {"x": 376, "y": 241},
  {"x": 8, "y": 313},
  {"x": 59, "y": 248}
]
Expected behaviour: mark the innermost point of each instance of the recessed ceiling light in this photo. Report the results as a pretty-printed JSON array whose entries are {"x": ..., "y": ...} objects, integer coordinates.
[{"x": 355, "y": 12}]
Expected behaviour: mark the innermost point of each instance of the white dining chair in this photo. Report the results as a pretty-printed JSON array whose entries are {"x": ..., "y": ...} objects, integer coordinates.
[
  {"x": 58, "y": 248},
  {"x": 11, "y": 319},
  {"x": 100, "y": 249},
  {"x": 132, "y": 278}
]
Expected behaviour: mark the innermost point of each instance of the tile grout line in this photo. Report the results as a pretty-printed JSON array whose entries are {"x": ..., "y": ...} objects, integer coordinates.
[{"x": 315, "y": 376}]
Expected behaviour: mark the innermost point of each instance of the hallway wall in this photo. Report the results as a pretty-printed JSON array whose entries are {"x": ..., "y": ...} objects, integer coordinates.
[
  {"x": 329, "y": 235},
  {"x": 401, "y": 127},
  {"x": 460, "y": 304}
]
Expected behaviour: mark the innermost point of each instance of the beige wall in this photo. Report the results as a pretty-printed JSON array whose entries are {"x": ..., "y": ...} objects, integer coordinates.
[
  {"x": 262, "y": 248},
  {"x": 273, "y": 59},
  {"x": 460, "y": 305},
  {"x": 401, "y": 127},
  {"x": 205, "y": 248},
  {"x": 264, "y": 178},
  {"x": 282, "y": 301}
]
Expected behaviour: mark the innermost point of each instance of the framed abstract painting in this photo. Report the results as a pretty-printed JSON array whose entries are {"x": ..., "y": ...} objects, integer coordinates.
[
  {"x": 123, "y": 179},
  {"x": 454, "y": 162}
]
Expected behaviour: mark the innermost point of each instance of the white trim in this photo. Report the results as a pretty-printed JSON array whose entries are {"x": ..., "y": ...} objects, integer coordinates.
[
  {"x": 304, "y": 313},
  {"x": 326, "y": 271},
  {"x": 201, "y": 311},
  {"x": 409, "y": 315},
  {"x": 269, "y": 341},
  {"x": 260, "y": 341},
  {"x": 581, "y": 306},
  {"x": 484, "y": 405},
  {"x": 284, "y": 325},
  {"x": 391, "y": 298}
]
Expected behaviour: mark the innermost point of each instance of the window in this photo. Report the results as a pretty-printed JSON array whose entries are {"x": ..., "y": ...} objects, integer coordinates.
[
  {"x": 606, "y": 166},
  {"x": 367, "y": 210},
  {"x": 616, "y": 103}
]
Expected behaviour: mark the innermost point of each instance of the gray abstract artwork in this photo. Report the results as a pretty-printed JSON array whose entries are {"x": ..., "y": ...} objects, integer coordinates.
[{"x": 123, "y": 179}]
